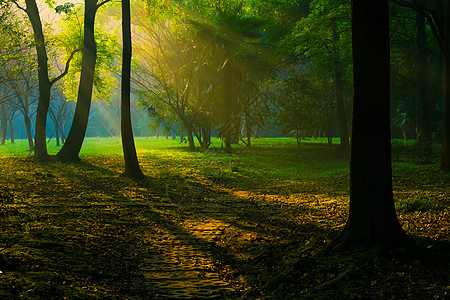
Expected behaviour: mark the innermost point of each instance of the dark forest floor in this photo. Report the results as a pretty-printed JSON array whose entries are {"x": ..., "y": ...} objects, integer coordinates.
[{"x": 84, "y": 232}]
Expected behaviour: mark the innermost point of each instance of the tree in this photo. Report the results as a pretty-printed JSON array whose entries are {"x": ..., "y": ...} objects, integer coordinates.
[
  {"x": 322, "y": 39},
  {"x": 70, "y": 37},
  {"x": 71, "y": 149},
  {"x": 45, "y": 84},
  {"x": 231, "y": 42},
  {"x": 22, "y": 87},
  {"x": 174, "y": 74},
  {"x": 132, "y": 168},
  {"x": 58, "y": 113},
  {"x": 372, "y": 218},
  {"x": 424, "y": 124},
  {"x": 238, "y": 43},
  {"x": 405, "y": 72},
  {"x": 437, "y": 13},
  {"x": 300, "y": 103}
]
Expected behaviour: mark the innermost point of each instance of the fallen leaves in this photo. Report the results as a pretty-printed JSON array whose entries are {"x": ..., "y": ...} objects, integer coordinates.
[{"x": 84, "y": 231}]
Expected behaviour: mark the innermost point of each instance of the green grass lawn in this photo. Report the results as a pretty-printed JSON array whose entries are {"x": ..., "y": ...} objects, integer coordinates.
[{"x": 256, "y": 221}]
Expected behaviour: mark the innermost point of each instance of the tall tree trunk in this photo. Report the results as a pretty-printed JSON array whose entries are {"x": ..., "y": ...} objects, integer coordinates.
[
  {"x": 338, "y": 77},
  {"x": 71, "y": 148},
  {"x": 424, "y": 135},
  {"x": 132, "y": 168},
  {"x": 40, "y": 150},
  {"x": 372, "y": 218}
]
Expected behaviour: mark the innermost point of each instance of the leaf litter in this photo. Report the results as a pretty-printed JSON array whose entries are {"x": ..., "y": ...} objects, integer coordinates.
[{"x": 194, "y": 228}]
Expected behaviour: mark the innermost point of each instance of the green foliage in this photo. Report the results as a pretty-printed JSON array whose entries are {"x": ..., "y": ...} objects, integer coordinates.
[
  {"x": 16, "y": 38},
  {"x": 64, "y": 8},
  {"x": 323, "y": 37},
  {"x": 301, "y": 103},
  {"x": 70, "y": 38}
]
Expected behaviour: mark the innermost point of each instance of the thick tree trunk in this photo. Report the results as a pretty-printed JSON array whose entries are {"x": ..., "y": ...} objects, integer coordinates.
[
  {"x": 424, "y": 135},
  {"x": 40, "y": 151},
  {"x": 71, "y": 148},
  {"x": 338, "y": 77},
  {"x": 372, "y": 219},
  {"x": 132, "y": 168}
]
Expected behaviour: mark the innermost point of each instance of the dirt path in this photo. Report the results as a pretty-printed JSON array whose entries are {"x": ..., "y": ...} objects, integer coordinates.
[
  {"x": 89, "y": 248},
  {"x": 184, "y": 267}
]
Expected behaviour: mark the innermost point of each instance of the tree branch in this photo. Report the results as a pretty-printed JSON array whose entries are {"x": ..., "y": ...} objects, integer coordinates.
[
  {"x": 18, "y": 6},
  {"x": 430, "y": 15},
  {"x": 66, "y": 70},
  {"x": 102, "y": 3}
]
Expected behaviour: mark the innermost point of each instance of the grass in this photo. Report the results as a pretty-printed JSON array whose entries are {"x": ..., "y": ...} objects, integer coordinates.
[{"x": 248, "y": 224}]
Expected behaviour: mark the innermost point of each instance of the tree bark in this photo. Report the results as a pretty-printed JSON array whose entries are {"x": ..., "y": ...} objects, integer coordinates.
[
  {"x": 71, "y": 148},
  {"x": 132, "y": 168},
  {"x": 372, "y": 219},
  {"x": 40, "y": 149}
]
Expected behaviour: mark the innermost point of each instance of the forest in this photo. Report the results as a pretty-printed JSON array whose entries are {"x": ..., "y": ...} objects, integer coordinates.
[{"x": 225, "y": 149}]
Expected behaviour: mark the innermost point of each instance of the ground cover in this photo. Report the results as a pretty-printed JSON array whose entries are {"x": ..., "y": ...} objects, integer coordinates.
[{"x": 253, "y": 224}]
